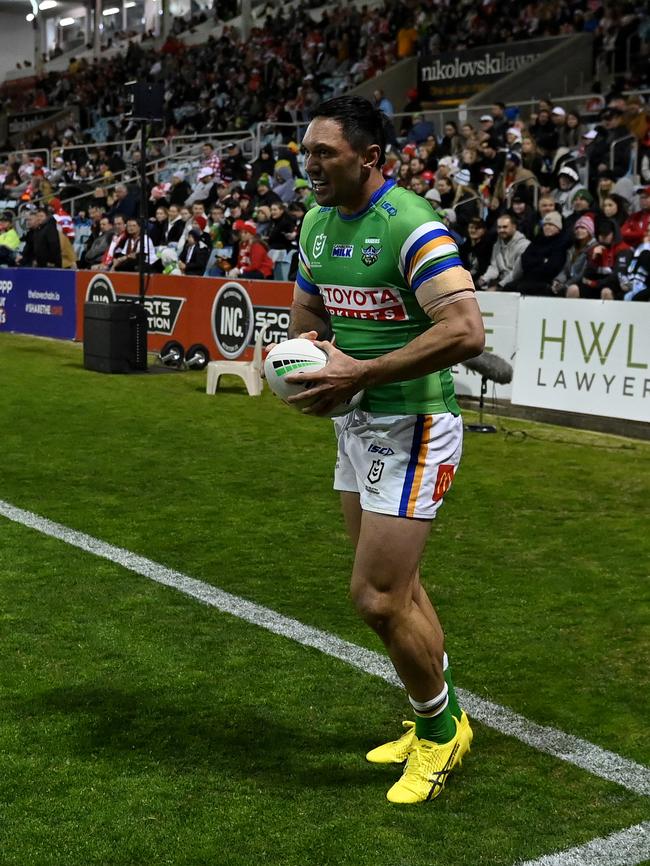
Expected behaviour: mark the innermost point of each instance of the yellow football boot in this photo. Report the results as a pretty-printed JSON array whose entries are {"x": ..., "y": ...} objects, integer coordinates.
[
  {"x": 397, "y": 751},
  {"x": 427, "y": 768}
]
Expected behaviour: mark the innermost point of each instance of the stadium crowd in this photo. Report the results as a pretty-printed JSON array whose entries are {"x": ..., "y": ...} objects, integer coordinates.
[{"x": 546, "y": 206}]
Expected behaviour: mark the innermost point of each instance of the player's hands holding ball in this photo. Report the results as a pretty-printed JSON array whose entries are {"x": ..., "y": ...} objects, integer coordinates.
[{"x": 314, "y": 376}]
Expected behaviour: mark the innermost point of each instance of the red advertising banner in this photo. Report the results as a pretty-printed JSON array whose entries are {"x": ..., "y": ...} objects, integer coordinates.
[{"x": 221, "y": 314}]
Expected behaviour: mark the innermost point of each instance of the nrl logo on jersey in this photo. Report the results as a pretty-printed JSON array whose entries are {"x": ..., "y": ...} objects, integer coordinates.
[
  {"x": 370, "y": 251},
  {"x": 319, "y": 245}
]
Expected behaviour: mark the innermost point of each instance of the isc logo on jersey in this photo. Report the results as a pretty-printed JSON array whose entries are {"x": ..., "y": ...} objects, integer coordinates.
[{"x": 379, "y": 303}]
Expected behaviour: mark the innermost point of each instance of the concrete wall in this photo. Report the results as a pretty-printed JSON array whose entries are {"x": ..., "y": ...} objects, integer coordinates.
[
  {"x": 16, "y": 40},
  {"x": 565, "y": 69},
  {"x": 395, "y": 82}
]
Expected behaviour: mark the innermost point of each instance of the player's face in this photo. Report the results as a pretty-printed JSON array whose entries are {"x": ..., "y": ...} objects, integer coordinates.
[{"x": 337, "y": 172}]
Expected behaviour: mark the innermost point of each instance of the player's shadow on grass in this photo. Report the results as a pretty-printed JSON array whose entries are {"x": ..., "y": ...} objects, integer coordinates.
[{"x": 189, "y": 734}]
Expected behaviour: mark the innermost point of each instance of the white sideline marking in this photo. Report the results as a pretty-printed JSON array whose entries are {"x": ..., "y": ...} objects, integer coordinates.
[
  {"x": 627, "y": 848},
  {"x": 600, "y": 762}
]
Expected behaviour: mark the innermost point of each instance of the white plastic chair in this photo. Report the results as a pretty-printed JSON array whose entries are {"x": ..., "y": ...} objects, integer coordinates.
[{"x": 249, "y": 371}]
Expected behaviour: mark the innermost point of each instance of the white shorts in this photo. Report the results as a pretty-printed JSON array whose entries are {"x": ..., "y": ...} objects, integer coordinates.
[{"x": 400, "y": 465}]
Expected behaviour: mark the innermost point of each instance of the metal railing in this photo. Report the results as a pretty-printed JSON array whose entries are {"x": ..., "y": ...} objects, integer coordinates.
[
  {"x": 169, "y": 146},
  {"x": 633, "y": 152},
  {"x": 529, "y": 186},
  {"x": 184, "y": 148},
  {"x": 43, "y": 152}
]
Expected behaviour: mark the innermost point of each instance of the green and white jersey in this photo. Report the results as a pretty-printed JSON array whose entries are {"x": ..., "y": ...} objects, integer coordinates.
[{"x": 367, "y": 267}]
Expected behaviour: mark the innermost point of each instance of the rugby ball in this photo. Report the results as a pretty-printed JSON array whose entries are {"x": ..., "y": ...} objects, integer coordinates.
[{"x": 299, "y": 356}]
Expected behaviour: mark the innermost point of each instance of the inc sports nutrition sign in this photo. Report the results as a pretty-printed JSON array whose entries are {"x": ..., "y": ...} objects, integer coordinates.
[{"x": 455, "y": 77}]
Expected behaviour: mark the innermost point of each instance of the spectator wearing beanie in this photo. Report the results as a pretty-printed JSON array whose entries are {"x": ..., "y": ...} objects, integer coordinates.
[
  {"x": 200, "y": 221},
  {"x": 567, "y": 186},
  {"x": 607, "y": 261},
  {"x": 253, "y": 260},
  {"x": 514, "y": 139},
  {"x": 265, "y": 195},
  {"x": 582, "y": 204},
  {"x": 433, "y": 197},
  {"x": 576, "y": 258},
  {"x": 179, "y": 189},
  {"x": 541, "y": 261},
  {"x": 637, "y": 225}
]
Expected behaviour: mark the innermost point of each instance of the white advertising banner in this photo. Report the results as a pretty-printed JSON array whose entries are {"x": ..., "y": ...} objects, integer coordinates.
[
  {"x": 499, "y": 310},
  {"x": 584, "y": 356}
]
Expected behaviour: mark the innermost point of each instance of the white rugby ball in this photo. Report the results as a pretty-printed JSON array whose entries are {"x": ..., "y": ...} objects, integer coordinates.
[{"x": 299, "y": 356}]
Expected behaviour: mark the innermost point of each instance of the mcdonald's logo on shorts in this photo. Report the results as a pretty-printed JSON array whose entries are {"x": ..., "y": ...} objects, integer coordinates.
[{"x": 443, "y": 480}]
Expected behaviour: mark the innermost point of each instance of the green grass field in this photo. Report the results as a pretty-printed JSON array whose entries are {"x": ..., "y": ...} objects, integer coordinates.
[{"x": 139, "y": 726}]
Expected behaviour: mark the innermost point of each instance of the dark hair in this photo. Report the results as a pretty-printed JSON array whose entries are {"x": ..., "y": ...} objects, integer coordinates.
[
  {"x": 362, "y": 124},
  {"x": 620, "y": 202},
  {"x": 606, "y": 226}
]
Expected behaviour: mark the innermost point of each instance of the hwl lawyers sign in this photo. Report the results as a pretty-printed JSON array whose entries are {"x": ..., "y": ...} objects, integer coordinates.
[
  {"x": 456, "y": 76},
  {"x": 584, "y": 356}
]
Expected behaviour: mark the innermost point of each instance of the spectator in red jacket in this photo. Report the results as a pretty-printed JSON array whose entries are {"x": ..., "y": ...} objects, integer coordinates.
[
  {"x": 63, "y": 218},
  {"x": 637, "y": 224},
  {"x": 607, "y": 261},
  {"x": 253, "y": 260}
]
